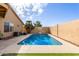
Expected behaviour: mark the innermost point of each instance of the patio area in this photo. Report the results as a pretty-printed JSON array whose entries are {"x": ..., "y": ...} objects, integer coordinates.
[{"x": 11, "y": 46}]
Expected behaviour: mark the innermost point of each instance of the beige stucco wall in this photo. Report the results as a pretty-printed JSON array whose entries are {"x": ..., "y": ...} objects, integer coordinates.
[
  {"x": 40, "y": 30},
  {"x": 53, "y": 30},
  {"x": 11, "y": 17},
  {"x": 1, "y": 24},
  {"x": 68, "y": 31}
]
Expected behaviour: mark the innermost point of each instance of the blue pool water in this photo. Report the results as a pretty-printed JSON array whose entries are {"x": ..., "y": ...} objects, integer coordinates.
[{"x": 40, "y": 39}]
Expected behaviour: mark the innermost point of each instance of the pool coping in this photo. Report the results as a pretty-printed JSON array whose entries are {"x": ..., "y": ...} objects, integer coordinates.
[{"x": 41, "y": 49}]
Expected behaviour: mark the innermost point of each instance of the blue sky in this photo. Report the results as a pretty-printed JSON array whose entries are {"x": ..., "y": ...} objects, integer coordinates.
[{"x": 48, "y": 13}]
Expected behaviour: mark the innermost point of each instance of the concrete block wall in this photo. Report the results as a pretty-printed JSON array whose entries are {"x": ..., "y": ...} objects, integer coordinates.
[
  {"x": 68, "y": 31},
  {"x": 40, "y": 30}
]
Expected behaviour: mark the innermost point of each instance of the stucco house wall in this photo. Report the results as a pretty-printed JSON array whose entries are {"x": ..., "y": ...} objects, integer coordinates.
[
  {"x": 1, "y": 25},
  {"x": 11, "y": 17}
]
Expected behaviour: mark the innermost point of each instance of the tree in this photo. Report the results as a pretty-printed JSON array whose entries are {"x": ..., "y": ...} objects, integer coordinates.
[
  {"x": 37, "y": 24},
  {"x": 29, "y": 26}
]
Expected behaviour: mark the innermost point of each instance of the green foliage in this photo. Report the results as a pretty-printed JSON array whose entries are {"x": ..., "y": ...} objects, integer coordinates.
[
  {"x": 29, "y": 26},
  {"x": 41, "y": 54},
  {"x": 37, "y": 24},
  {"x": 1, "y": 35}
]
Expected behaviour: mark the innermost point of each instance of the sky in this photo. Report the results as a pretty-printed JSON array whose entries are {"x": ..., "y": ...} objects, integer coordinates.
[{"x": 48, "y": 14}]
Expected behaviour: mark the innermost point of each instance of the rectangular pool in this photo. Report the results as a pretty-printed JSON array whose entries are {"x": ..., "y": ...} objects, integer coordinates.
[{"x": 40, "y": 39}]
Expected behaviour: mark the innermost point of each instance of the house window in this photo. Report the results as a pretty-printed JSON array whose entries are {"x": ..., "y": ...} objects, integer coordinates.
[{"x": 8, "y": 27}]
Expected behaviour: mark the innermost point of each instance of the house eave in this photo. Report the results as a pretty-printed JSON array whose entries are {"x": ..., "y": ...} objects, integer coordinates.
[{"x": 14, "y": 13}]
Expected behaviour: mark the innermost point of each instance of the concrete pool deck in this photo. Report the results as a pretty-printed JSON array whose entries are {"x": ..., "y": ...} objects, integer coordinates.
[{"x": 10, "y": 46}]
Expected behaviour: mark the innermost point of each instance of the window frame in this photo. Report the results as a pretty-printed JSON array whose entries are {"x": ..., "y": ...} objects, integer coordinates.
[{"x": 8, "y": 26}]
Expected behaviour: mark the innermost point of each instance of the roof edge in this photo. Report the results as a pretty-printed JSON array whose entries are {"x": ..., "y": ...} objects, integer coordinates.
[{"x": 14, "y": 13}]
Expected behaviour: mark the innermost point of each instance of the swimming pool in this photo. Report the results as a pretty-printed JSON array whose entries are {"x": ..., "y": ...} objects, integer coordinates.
[{"x": 40, "y": 39}]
